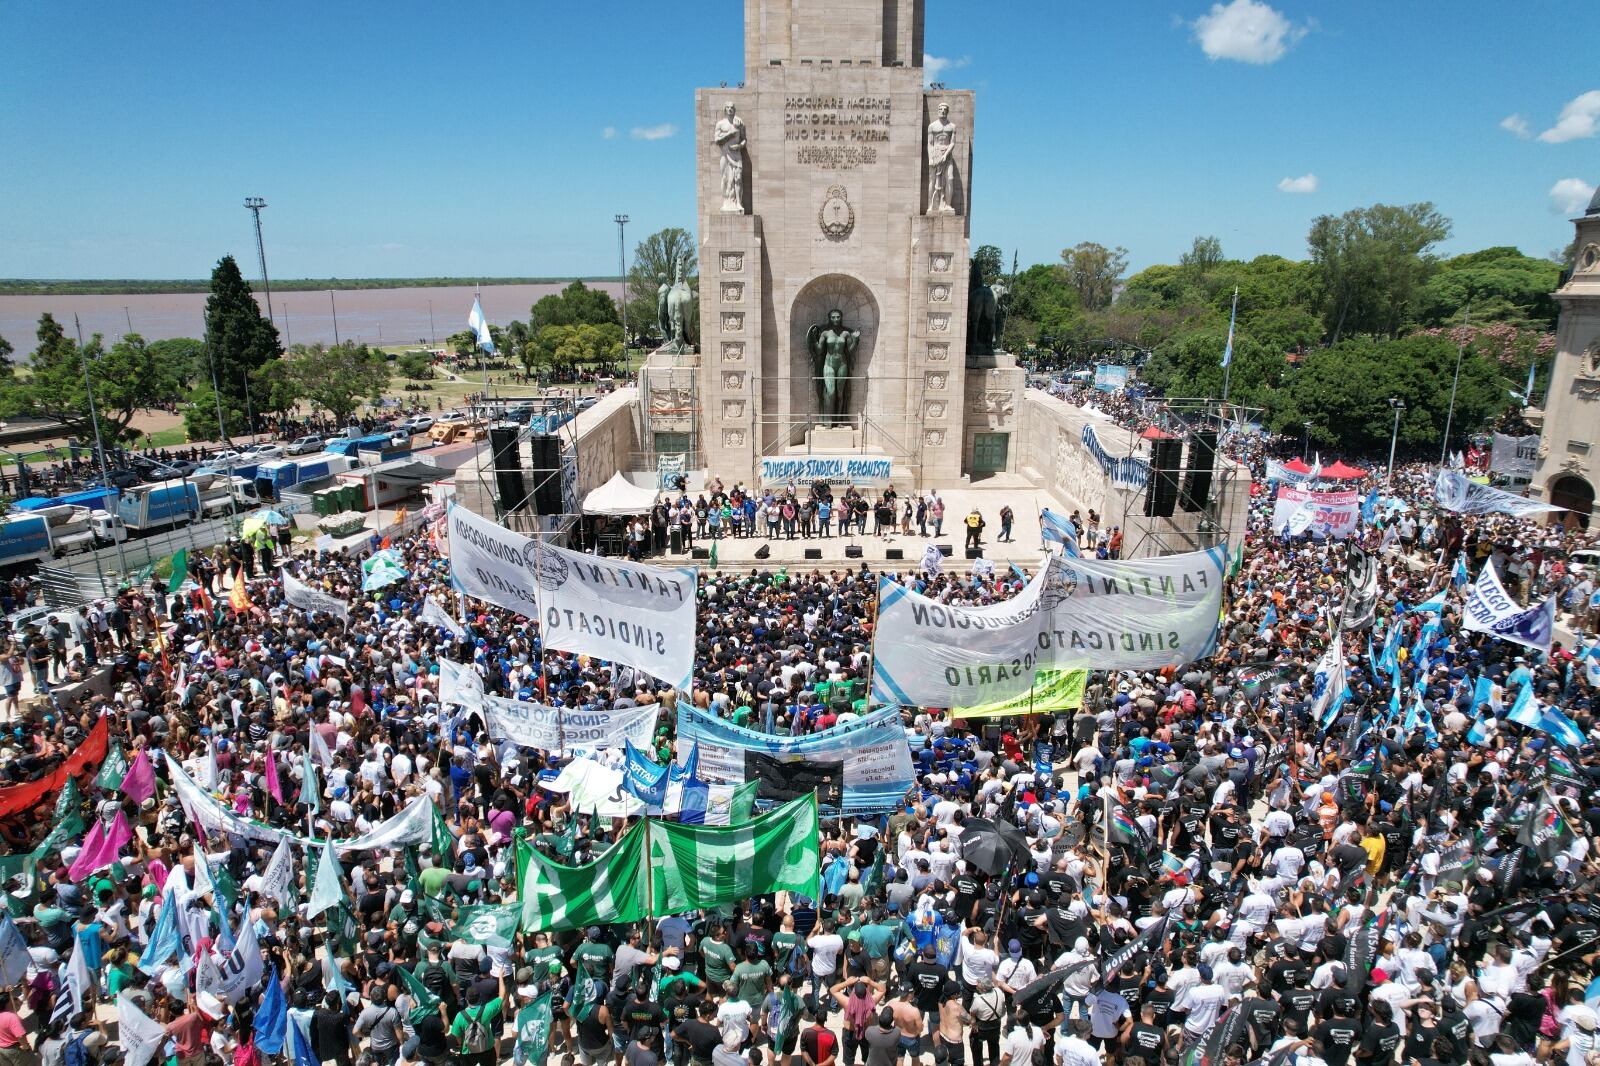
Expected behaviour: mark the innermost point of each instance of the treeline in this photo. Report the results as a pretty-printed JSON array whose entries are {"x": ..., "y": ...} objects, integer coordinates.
[{"x": 138, "y": 287}]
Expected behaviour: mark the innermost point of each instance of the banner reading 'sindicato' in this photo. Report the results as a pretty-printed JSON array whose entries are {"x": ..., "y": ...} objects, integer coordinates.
[
  {"x": 568, "y": 729},
  {"x": 1094, "y": 614}
]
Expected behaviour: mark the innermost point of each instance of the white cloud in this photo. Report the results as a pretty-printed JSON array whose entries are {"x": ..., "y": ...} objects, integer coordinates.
[
  {"x": 933, "y": 67},
  {"x": 1515, "y": 124},
  {"x": 609, "y": 132},
  {"x": 653, "y": 133},
  {"x": 1304, "y": 183},
  {"x": 1247, "y": 31},
  {"x": 1570, "y": 195},
  {"x": 1579, "y": 119}
]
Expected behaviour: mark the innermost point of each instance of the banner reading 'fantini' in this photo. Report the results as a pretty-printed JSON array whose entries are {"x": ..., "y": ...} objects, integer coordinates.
[
  {"x": 641, "y": 616},
  {"x": 1075, "y": 613}
]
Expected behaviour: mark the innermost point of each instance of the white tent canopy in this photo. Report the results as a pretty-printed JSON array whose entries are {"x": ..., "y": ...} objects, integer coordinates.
[{"x": 619, "y": 497}]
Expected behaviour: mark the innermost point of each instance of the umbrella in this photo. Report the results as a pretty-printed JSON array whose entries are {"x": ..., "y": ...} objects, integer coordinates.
[
  {"x": 992, "y": 847},
  {"x": 272, "y": 517},
  {"x": 251, "y": 526}
]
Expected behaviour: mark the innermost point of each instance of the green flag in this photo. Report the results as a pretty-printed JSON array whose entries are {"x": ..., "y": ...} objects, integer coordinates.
[
  {"x": 112, "y": 771},
  {"x": 567, "y": 842},
  {"x": 444, "y": 842},
  {"x": 743, "y": 806},
  {"x": 608, "y": 890},
  {"x": 426, "y": 1002},
  {"x": 308, "y": 784},
  {"x": 327, "y": 886},
  {"x": 533, "y": 1031},
  {"x": 872, "y": 880},
  {"x": 713, "y": 555},
  {"x": 698, "y": 866},
  {"x": 490, "y": 924},
  {"x": 179, "y": 562},
  {"x": 67, "y": 801},
  {"x": 521, "y": 851}
]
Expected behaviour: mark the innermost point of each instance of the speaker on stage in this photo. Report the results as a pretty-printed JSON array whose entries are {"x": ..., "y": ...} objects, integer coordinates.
[
  {"x": 1161, "y": 495},
  {"x": 764, "y": 551},
  {"x": 895, "y": 555},
  {"x": 974, "y": 553},
  {"x": 700, "y": 553},
  {"x": 852, "y": 551},
  {"x": 507, "y": 465},
  {"x": 945, "y": 550},
  {"x": 545, "y": 449},
  {"x": 1197, "y": 478},
  {"x": 813, "y": 553}
]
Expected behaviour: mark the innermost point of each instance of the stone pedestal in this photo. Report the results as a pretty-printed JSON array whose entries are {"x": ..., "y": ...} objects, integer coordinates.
[
  {"x": 732, "y": 278},
  {"x": 832, "y": 439}
]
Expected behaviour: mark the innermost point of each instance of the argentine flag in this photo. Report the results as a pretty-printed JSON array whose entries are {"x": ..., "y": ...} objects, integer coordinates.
[
  {"x": 1227, "y": 353},
  {"x": 1330, "y": 686},
  {"x": 1562, "y": 728},
  {"x": 1056, "y": 529},
  {"x": 480, "y": 326},
  {"x": 1432, "y": 605},
  {"x": 1525, "y": 711},
  {"x": 1461, "y": 579}
]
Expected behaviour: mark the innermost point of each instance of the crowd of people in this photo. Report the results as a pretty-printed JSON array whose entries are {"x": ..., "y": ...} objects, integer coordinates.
[{"x": 1203, "y": 867}]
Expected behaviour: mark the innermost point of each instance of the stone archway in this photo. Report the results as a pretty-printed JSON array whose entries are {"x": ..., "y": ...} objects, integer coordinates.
[
  {"x": 811, "y": 305},
  {"x": 1576, "y": 495}
]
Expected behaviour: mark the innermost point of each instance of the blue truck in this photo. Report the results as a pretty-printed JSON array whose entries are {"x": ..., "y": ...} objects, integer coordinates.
[
  {"x": 274, "y": 479},
  {"x": 146, "y": 508}
]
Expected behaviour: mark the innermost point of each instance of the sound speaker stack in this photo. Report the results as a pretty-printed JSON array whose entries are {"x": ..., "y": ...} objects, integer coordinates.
[
  {"x": 507, "y": 465},
  {"x": 1197, "y": 478},
  {"x": 1161, "y": 495}
]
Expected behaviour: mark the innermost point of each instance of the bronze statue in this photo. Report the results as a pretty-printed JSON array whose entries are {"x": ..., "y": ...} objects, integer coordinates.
[
  {"x": 663, "y": 320},
  {"x": 833, "y": 354},
  {"x": 680, "y": 311}
]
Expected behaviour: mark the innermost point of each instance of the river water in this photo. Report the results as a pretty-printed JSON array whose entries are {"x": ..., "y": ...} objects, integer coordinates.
[{"x": 372, "y": 316}]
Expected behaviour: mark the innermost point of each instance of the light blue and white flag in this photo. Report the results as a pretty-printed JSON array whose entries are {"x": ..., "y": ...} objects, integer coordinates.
[
  {"x": 1056, "y": 529},
  {"x": 1369, "y": 508},
  {"x": 1461, "y": 578},
  {"x": 1479, "y": 733},
  {"x": 1233, "y": 316},
  {"x": 165, "y": 942},
  {"x": 1562, "y": 728},
  {"x": 1330, "y": 685},
  {"x": 1490, "y": 609},
  {"x": 1432, "y": 605},
  {"x": 1525, "y": 709},
  {"x": 644, "y": 779},
  {"x": 480, "y": 326}
]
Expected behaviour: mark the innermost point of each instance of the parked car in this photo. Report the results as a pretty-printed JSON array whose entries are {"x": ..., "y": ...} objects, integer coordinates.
[
  {"x": 453, "y": 416},
  {"x": 416, "y": 424},
  {"x": 586, "y": 402},
  {"x": 265, "y": 451},
  {"x": 307, "y": 445}
]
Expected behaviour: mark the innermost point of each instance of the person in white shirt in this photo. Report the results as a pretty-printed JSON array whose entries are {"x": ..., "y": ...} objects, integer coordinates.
[
  {"x": 1072, "y": 1049},
  {"x": 1014, "y": 971},
  {"x": 1021, "y": 1042},
  {"x": 1204, "y": 1002}
]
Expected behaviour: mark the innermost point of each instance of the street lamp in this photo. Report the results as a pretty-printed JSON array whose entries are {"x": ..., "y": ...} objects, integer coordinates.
[
  {"x": 1398, "y": 405},
  {"x": 1305, "y": 443}
]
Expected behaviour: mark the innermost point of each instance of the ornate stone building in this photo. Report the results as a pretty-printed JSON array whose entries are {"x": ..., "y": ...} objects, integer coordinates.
[
  {"x": 832, "y": 180},
  {"x": 1569, "y": 422}
]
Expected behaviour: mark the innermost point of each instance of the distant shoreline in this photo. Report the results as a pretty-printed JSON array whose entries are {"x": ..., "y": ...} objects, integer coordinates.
[{"x": 136, "y": 287}]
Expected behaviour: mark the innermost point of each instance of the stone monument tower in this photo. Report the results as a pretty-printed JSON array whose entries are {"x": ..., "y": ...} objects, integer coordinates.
[
  {"x": 1569, "y": 421},
  {"x": 833, "y": 195}
]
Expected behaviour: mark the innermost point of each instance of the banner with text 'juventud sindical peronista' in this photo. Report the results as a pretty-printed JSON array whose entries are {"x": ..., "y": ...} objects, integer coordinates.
[{"x": 1073, "y": 614}]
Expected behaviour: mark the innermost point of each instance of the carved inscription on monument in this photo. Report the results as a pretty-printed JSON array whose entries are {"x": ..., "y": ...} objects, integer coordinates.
[{"x": 836, "y": 132}]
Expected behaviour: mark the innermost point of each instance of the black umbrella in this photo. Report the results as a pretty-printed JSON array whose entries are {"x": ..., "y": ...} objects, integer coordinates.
[{"x": 992, "y": 847}]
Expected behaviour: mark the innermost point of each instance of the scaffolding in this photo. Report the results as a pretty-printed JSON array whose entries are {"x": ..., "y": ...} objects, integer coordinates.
[
  {"x": 1185, "y": 418},
  {"x": 493, "y": 470},
  {"x": 670, "y": 413}
]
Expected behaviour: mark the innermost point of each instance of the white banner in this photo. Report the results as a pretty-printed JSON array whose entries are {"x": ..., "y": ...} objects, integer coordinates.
[
  {"x": 558, "y": 730},
  {"x": 460, "y": 685},
  {"x": 1075, "y": 614},
  {"x": 277, "y": 880},
  {"x": 1455, "y": 493},
  {"x": 1326, "y": 515},
  {"x": 839, "y": 471},
  {"x": 232, "y": 974},
  {"x": 303, "y": 596},
  {"x": 1490, "y": 609},
  {"x": 412, "y": 825},
  {"x": 1125, "y": 472},
  {"x": 1514, "y": 456},
  {"x": 141, "y": 1036},
  {"x": 435, "y": 615},
  {"x": 1276, "y": 471},
  {"x": 642, "y": 616}
]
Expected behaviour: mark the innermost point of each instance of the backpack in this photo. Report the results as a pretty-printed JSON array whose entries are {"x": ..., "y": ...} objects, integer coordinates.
[
  {"x": 477, "y": 1039},
  {"x": 75, "y": 1053}
]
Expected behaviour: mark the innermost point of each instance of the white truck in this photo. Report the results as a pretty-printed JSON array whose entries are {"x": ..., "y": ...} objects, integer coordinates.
[{"x": 47, "y": 533}]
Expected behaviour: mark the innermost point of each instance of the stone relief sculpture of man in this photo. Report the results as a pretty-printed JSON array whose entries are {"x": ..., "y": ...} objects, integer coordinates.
[
  {"x": 833, "y": 354},
  {"x": 941, "y": 163},
  {"x": 729, "y": 136}
]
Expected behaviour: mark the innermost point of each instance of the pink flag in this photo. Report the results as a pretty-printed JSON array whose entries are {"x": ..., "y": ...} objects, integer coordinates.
[
  {"x": 273, "y": 788},
  {"x": 139, "y": 784},
  {"x": 100, "y": 848}
]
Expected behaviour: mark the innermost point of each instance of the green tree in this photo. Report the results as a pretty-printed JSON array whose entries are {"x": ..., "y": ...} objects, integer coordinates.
[
  {"x": 1093, "y": 271},
  {"x": 124, "y": 377},
  {"x": 1190, "y": 364},
  {"x": 653, "y": 262},
  {"x": 335, "y": 379},
  {"x": 577, "y": 344},
  {"x": 181, "y": 364},
  {"x": 200, "y": 415},
  {"x": 464, "y": 343},
  {"x": 1496, "y": 285},
  {"x": 241, "y": 341},
  {"x": 1372, "y": 263},
  {"x": 988, "y": 264},
  {"x": 1044, "y": 308},
  {"x": 1202, "y": 257},
  {"x": 1344, "y": 392},
  {"x": 575, "y": 304},
  {"x": 415, "y": 365}
]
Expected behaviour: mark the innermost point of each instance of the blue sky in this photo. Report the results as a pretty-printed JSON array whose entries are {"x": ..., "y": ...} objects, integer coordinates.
[{"x": 414, "y": 138}]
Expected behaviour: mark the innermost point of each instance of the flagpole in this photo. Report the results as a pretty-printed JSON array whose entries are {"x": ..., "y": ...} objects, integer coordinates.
[
  {"x": 1227, "y": 355},
  {"x": 1450, "y": 413}
]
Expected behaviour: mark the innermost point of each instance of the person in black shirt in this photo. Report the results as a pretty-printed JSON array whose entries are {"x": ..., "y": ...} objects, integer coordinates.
[
  {"x": 1159, "y": 999},
  {"x": 925, "y": 980},
  {"x": 968, "y": 891},
  {"x": 1144, "y": 1038},
  {"x": 1298, "y": 1000},
  {"x": 1263, "y": 1015},
  {"x": 1337, "y": 1037},
  {"x": 1382, "y": 1036},
  {"x": 699, "y": 1035}
]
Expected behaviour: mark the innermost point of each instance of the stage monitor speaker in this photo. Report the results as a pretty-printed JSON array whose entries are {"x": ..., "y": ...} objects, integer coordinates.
[
  {"x": 1197, "y": 478},
  {"x": 895, "y": 555},
  {"x": 545, "y": 465},
  {"x": 1161, "y": 495},
  {"x": 974, "y": 553},
  {"x": 700, "y": 553},
  {"x": 813, "y": 553},
  {"x": 852, "y": 551},
  {"x": 507, "y": 465},
  {"x": 945, "y": 550},
  {"x": 764, "y": 551}
]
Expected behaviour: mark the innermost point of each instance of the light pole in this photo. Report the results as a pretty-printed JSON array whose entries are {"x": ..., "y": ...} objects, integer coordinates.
[
  {"x": 335, "y": 307},
  {"x": 254, "y": 204},
  {"x": 99, "y": 445},
  {"x": 433, "y": 338},
  {"x": 1455, "y": 383},
  {"x": 622, "y": 261},
  {"x": 1305, "y": 442},
  {"x": 1399, "y": 406}
]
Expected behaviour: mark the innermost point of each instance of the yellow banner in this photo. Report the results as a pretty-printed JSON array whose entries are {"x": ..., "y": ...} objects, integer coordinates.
[{"x": 1053, "y": 690}]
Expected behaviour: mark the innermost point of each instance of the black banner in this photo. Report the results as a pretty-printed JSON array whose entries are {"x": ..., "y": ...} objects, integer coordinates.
[{"x": 783, "y": 780}]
